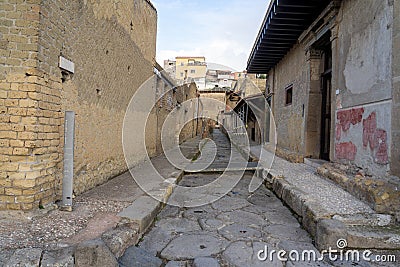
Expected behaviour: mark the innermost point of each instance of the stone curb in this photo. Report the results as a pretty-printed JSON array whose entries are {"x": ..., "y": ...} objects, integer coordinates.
[
  {"x": 327, "y": 228},
  {"x": 380, "y": 194}
]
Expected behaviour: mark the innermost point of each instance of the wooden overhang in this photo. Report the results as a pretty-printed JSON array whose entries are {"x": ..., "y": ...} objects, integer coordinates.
[{"x": 283, "y": 23}]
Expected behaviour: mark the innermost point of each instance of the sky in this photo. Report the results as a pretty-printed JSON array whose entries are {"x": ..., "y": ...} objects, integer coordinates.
[{"x": 223, "y": 31}]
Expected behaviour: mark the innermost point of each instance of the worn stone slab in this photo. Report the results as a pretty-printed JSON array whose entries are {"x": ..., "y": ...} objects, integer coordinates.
[
  {"x": 27, "y": 257},
  {"x": 58, "y": 258},
  {"x": 205, "y": 262},
  {"x": 5, "y": 255},
  {"x": 310, "y": 264},
  {"x": 135, "y": 256},
  {"x": 119, "y": 239},
  {"x": 364, "y": 237},
  {"x": 177, "y": 264},
  {"x": 94, "y": 253},
  {"x": 229, "y": 204},
  {"x": 245, "y": 254},
  {"x": 329, "y": 231},
  {"x": 178, "y": 225},
  {"x": 211, "y": 224},
  {"x": 365, "y": 219},
  {"x": 235, "y": 232},
  {"x": 288, "y": 232},
  {"x": 169, "y": 212},
  {"x": 279, "y": 217},
  {"x": 244, "y": 218},
  {"x": 156, "y": 240},
  {"x": 192, "y": 246},
  {"x": 142, "y": 211}
]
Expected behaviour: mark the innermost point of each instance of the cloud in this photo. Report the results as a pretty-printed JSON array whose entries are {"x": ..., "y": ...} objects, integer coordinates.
[{"x": 222, "y": 31}]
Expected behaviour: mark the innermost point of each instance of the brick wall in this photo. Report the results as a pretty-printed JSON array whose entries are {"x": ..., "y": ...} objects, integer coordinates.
[{"x": 112, "y": 44}]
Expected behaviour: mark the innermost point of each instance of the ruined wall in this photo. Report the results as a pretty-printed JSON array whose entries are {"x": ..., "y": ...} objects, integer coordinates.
[
  {"x": 219, "y": 96},
  {"x": 112, "y": 44},
  {"x": 170, "y": 103},
  {"x": 289, "y": 119},
  {"x": 363, "y": 116}
]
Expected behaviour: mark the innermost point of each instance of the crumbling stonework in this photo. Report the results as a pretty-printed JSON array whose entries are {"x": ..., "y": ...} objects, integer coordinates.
[{"x": 112, "y": 44}]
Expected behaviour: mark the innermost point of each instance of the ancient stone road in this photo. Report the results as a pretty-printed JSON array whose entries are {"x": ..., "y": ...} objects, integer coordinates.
[{"x": 228, "y": 232}]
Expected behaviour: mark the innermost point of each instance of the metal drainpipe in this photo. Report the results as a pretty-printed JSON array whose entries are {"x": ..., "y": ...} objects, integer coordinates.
[{"x": 69, "y": 136}]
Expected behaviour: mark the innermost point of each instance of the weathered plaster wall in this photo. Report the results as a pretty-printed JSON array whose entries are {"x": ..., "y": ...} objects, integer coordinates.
[
  {"x": 112, "y": 44},
  {"x": 289, "y": 119},
  {"x": 365, "y": 84},
  {"x": 110, "y": 67}
]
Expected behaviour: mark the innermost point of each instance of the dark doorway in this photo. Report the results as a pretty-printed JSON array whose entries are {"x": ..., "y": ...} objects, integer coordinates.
[
  {"x": 253, "y": 134},
  {"x": 326, "y": 88}
]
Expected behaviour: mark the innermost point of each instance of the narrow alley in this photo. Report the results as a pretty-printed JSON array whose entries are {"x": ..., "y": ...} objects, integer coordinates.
[
  {"x": 201, "y": 133},
  {"x": 229, "y": 232}
]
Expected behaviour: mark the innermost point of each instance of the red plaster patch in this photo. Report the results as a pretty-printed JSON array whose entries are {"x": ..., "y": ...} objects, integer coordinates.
[
  {"x": 369, "y": 128},
  {"x": 350, "y": 116},
  {"x": 338, "y": 131},
  {"x": 346, "y": 151},
  {"x": 380, "y": 138}
]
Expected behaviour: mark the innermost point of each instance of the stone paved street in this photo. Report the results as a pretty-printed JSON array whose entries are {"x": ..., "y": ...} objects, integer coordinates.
[
  {"x": 228, "y": 232},
  {"x": 231, "y": 230}
]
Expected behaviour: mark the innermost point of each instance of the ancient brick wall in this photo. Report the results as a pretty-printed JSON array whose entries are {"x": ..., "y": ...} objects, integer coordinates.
[{"x": 112, "y": 44}]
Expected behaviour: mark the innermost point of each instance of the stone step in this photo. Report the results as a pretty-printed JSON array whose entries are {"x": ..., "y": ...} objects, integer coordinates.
[
  {"x": 250, "y": 166},
  {"x": 314, "y": 162},
  {"x": 330, "y": 231}
]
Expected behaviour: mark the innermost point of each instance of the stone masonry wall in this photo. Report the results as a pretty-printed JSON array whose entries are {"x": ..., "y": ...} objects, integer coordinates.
[
  {"x": 29, "y": 111},
  {"x": 112, "y": 48}
]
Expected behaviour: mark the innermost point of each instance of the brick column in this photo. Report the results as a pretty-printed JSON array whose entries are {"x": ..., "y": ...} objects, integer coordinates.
[{"x": 29, "y": 112}]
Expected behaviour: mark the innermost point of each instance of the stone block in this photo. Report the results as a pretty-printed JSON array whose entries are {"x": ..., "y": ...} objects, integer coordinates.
[
  {"x": 135, "y": 256},
  {"x": 328, "y": 232},
  {"x": 312, "y": 212},
  {"x": 142, "y": 211},
  {"x": 205, "y": 262},
  {"x": 94, "y": 253},
  {"x": 58, "y": 258},
  {"x": 119, "y": 239},
  {"x": 28, "y": 257}
]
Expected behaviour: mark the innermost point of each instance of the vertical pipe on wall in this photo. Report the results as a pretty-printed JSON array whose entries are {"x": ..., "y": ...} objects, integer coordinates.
[{"x": 67, "y": 187}]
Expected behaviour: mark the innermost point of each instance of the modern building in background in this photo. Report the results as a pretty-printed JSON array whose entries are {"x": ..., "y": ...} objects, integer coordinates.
[{"x": 206, "y": 75}]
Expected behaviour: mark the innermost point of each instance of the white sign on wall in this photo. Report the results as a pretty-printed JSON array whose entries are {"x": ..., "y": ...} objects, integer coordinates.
[{"x": 66, "y": 64}]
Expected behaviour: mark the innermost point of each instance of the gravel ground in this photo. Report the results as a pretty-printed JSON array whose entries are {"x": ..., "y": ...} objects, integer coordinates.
[{"x": 50, "y": 227}]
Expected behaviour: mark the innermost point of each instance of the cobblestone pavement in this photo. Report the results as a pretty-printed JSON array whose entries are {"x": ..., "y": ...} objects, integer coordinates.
[{"x": 228, "y": 232}]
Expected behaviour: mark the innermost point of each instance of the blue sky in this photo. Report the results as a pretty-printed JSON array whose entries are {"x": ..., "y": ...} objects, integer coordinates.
[{"x": 223, "y": 31}]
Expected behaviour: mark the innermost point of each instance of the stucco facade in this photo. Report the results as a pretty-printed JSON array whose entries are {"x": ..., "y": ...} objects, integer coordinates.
[
  {"x": 350, "y": 49},
  {"x": 112, "y": 45}
]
